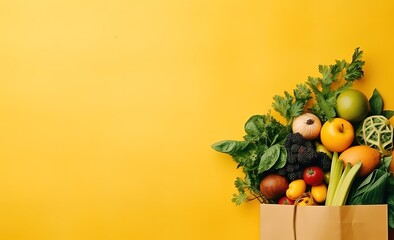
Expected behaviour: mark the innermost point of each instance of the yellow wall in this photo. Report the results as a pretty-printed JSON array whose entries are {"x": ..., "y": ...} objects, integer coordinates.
[{"x": 108, "y": 108}]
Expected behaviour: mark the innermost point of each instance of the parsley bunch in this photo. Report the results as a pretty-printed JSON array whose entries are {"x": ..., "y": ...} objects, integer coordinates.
[{"x": 335, "y": 79}]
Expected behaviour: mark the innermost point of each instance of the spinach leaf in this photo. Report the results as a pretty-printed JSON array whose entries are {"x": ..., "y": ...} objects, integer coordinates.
[
  {"x": 269, "y": 158},
  {"x": 254, "y": 127},
  {"x": 230, "y": 147},
  {"x": 282, "y": 158}
]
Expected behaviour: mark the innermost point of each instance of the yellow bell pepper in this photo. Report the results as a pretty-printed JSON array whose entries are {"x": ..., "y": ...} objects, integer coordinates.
[
  {"x": 296, "y": 189},
  {"x": 319, "y": 192}
]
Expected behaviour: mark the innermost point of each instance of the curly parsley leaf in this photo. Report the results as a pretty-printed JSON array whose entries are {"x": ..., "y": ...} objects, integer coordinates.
[
  {"x": 241, "y": 186},
  {"x": 354, "y": 70},
  {"x": 289, "y": 106},
  {"x": 335, "y": 79},
  {"x": 282, "y": 104},
  {"x": 302, "y": 93}
]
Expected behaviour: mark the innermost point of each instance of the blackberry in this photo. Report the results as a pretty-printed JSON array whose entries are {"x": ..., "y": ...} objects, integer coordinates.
[
  {"x": 294, "y": 176},
  {"x": 324, "y": 161},
  {"x": 292, "y": 168},
  {"x": 306, "y": 156},
  {"x": 295, "y": 148},
  {"x": 301, "y": 153},
  {"x": 292, "y": 158},
  {"x": 293, "y": 138},
  {"x": 282, "y": 172}
]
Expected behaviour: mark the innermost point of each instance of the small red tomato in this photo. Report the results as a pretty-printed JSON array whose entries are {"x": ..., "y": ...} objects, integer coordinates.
[
  {"x": 286, "y": 201},
  {"x": 313, "y": 175}
]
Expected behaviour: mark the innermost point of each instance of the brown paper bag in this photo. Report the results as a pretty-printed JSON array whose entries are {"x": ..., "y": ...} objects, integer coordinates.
[{"x": 356, "y": 222}]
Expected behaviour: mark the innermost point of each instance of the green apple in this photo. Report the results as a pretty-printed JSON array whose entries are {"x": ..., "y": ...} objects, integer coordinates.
[
  {"x": 320, "y": 148},
  {"x": 352, "y": 105}
]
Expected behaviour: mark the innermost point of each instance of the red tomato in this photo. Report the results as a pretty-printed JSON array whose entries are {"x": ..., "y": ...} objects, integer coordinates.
[
  {"x": 285, "y": 201},
  {"x": 313, "y": 175}
]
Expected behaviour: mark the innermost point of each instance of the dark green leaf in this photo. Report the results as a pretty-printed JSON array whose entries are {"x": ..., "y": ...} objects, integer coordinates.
[
  {"x": 388, "y": 113},
  {"x": 269, "y": 158},
  {"x": 357, "y": 55},
  {"x": 230, "y": 147},
  {"x": 281, "y": 162},
  {"x": 371, "y": 190},
  {"x": 376, "y": 103},
  {"x": 254, "y": 127},
  {"x": 354, "y": 70},
  {"x": 340, "y": 65},
  {"x": 282, "y": 133},
  {"x": 385, "y": 163},
  {"x": 265, "y": 129},
  {"x": 390, "y": 201}
]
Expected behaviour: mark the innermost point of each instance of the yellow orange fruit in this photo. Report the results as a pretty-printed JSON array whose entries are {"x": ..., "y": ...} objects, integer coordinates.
[{"x": 369, "y": 157}]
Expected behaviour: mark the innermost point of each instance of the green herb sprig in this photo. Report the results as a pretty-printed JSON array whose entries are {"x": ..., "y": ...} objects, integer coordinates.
[{"x": 335, "y": 79}]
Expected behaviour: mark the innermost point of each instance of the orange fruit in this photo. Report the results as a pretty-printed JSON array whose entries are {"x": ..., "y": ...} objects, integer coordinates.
[{"x": 370, "y": 158}]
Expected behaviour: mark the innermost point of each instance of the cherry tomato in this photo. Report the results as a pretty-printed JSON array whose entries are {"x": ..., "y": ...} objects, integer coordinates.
[
  {"x": 313, "y": 175},
  {"x": 286, "y": 201}
]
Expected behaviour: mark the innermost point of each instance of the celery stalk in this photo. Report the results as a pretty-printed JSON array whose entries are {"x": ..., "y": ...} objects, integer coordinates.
[
  {"x": 343, "y": 191},
  {"x": 336, "y": 197},
  {"x": 335, "y": 174}
]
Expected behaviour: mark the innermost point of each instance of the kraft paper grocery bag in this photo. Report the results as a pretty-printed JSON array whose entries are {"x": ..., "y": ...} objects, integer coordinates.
[{"x": 356, "y": 222}]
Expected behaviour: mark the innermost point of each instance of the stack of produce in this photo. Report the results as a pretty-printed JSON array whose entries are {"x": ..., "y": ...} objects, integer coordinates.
[{"x": 334, "y": 146}]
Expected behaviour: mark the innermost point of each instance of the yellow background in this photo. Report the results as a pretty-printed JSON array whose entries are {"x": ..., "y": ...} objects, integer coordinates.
[{"x": 108, "y": 108}]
